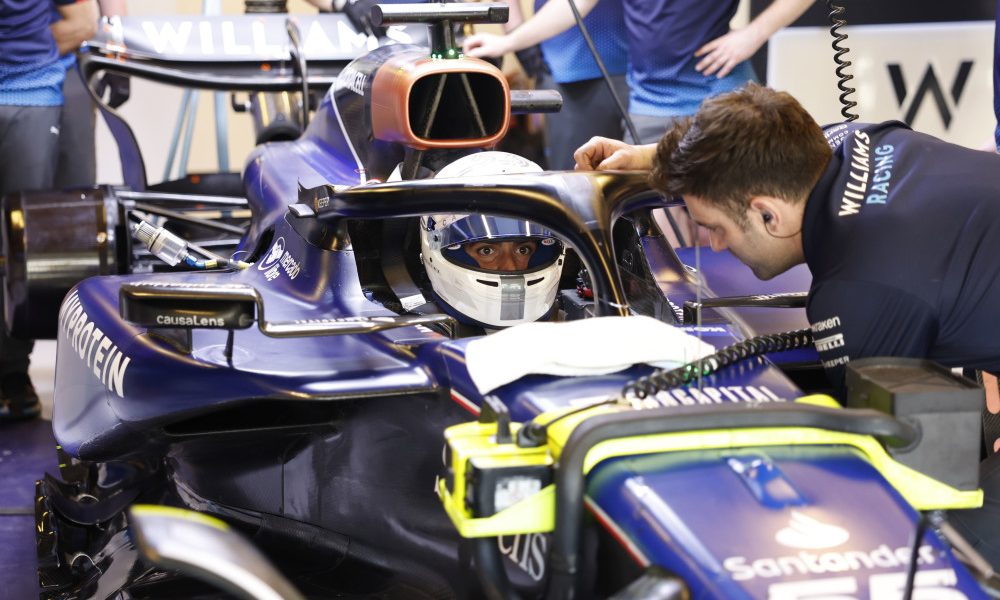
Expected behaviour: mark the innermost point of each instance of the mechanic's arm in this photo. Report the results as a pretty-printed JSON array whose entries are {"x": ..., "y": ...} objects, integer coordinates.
[
  {"x": 855, "y": 319},
  {"x": 604, "y": 154},
  {"x": 78, "y": 24},
  {"x": 721, "y": 55},
  {"x": 550, "y": 20}
]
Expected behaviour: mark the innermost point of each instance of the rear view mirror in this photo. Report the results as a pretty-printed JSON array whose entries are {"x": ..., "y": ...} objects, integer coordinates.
[{"x": 205, "y": 548}]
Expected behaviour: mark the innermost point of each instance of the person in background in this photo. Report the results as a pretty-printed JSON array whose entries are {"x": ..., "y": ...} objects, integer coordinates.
[
  {"x": 680, "y": 51},
  {"x": 569, "y": 67},
  {"x": 31, "y": 79},
  {"x": 77, "y": 163}
]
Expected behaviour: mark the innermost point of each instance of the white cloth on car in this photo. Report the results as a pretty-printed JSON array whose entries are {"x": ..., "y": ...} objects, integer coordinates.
[{"x": 586, "y": 347}]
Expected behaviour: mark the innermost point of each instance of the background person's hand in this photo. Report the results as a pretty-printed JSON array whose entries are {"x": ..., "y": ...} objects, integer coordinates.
[
  {"x": 604, "y": 154},
  {"x": 485, "y": 45},
  {"x": 721, "y": 55}
]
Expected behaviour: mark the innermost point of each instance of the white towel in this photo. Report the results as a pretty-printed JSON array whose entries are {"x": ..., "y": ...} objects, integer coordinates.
[{"x": 586, "y": 347}]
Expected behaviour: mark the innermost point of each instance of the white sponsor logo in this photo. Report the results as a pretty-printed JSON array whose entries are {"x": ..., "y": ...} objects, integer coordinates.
[
  {"x": 103, "y": 358},
  {"x": 527, "y": 551},
  {"x": 830, "y": 342},
  {"x": 259, "y": 40},
  {"x": 276, "y": 257},
  {"x": 353, "y": 80},
  {"x": 190, "y": 321},
  {"x": 806, "y": 533},
  {"x": 857, "y": 181},
  {"x": 822, "y": 326},
  {"x": 813, "y": 563},
  {"x": 708, "y": 395}
]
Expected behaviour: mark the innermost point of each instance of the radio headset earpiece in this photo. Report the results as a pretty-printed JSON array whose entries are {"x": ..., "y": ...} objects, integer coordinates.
[{"x": 767, "y": 218}]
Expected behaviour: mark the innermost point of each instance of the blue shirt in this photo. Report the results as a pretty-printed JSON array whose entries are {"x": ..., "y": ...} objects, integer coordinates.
[
  {"x": 567, "y": 55},
  {"x": 902, "y": 235},
  {"x": 663, "y": 36},
  {"x": 30, "y": 73}
]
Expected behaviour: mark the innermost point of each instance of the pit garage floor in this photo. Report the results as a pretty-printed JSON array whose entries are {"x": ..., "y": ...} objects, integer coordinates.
[{"x": 27, "y": 451}]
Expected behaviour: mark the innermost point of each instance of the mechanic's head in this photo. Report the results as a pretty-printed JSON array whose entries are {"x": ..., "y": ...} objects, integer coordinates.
[
  {"x": 491, "y": 271},
  {"x": 745, "y": 165}
]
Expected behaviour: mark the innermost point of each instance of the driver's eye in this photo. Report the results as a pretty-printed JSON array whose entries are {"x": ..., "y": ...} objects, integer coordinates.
[
  {"x": 525, "y": 249},
  {"x": 486, "y": 251}
]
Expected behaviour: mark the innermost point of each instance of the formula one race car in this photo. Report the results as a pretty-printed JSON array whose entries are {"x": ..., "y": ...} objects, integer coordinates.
[{"x": 302, "y": 388}]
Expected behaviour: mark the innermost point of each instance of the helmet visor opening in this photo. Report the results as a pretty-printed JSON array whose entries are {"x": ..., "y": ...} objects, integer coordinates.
[{"x": 509, "y": 256}]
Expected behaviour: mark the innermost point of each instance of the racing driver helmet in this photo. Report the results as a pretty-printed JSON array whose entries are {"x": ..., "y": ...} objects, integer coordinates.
[{"x": 491, "y": 271}]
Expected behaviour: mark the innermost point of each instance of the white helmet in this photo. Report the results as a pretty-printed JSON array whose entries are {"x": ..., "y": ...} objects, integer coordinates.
[{"x": 499, "y": 296}]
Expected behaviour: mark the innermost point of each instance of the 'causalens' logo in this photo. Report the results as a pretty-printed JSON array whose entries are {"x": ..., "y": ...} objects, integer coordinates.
[
  {"x": 806, "y": 533},
  {"x": 273, "y": 256}
]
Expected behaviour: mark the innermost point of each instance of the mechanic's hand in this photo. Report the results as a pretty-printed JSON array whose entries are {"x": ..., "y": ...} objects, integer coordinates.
[
  {"x": 118, "y": 86},
  {"x": 721, "y": 55},
  {"x": 485, "y": 45},
  {"x": 604, "y": 154}
]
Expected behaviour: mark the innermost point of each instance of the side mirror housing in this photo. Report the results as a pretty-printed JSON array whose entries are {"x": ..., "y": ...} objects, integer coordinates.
[{"x": 188, "y": 306}]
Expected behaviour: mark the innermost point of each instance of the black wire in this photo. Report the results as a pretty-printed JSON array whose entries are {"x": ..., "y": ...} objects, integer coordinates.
[
  {"x": 911, "y": 569},
  {"x": 836, "y": 11},
  {"x": 604, "y": 73},
  {"x": 662, "y": 379},
  {"x": 534, "y": 434},
  {"x": 618, "y": 102}
]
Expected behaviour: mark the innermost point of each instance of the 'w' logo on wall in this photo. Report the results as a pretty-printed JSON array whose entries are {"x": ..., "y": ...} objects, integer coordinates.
[{"x": 929, "y": 85}]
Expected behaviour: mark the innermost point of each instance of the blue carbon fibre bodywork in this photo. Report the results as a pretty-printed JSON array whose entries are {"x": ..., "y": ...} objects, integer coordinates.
[{"x": 691, "y": 513}]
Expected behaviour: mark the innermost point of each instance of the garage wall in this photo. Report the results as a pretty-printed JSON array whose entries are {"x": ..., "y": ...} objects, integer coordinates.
[{"x": 925, "y": 62}]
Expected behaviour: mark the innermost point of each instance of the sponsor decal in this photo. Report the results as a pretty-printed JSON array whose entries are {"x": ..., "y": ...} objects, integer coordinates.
[
  {"x": 260, "y": 38},
  {"x": 835, "y": 135},
  {"x": 822, "y": 326},
  {"x": 929, "y": 86},
  {"x": 857, "y": 181},
  {"x": 830, "y": 342},
  {"x": 354, "y": 80},
  {"x": 806, "y": 533},
  {"x": 805, "y": 562},
  {"x": 842, "y": 360},
  {"x": 101, "y": 356},
  {"x": 882, "y": 176},
  {"x": 932, "y": 584},
  {"x": 526, "y": 551},
  {"x": 279, "y": 257},
  {"x": 708, "y": 395},
  {"x": 190, "y": 321}
]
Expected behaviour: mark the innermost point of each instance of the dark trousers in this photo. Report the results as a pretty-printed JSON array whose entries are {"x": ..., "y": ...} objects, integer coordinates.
[
  {"x": 29, "y": 137},
  {"x": 77, "y": 165},
  {"x": 588, "y": 110}
]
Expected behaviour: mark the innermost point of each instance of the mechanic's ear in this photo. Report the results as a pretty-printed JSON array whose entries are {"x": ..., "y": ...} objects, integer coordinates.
[{"x": 766, "y": 211}]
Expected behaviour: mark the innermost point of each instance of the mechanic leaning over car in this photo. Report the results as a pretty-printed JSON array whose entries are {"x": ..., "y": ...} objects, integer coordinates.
[
  {"x": 900, "y": 230},
  {"x": 31, "y": 79}
]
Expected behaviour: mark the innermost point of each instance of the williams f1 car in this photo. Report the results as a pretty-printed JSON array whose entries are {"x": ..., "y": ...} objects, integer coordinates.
[{"x": 302, "y": 389}]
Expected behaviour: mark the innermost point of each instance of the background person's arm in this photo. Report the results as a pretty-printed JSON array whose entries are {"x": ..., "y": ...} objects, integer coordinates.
[
  {"x": 550, "y": 20},
  {"x": 721, "y": 55},
  {"x": 78, "y": 24}
]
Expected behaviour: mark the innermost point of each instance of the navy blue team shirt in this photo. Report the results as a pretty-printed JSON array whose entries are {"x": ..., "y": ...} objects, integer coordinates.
[{"x": 902, "y": 235}]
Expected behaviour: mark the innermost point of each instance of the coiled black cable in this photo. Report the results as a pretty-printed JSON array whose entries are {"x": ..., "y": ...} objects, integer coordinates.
[
  {"x": 662, "y": 379},
  {"x": 846, "y": 104}
]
